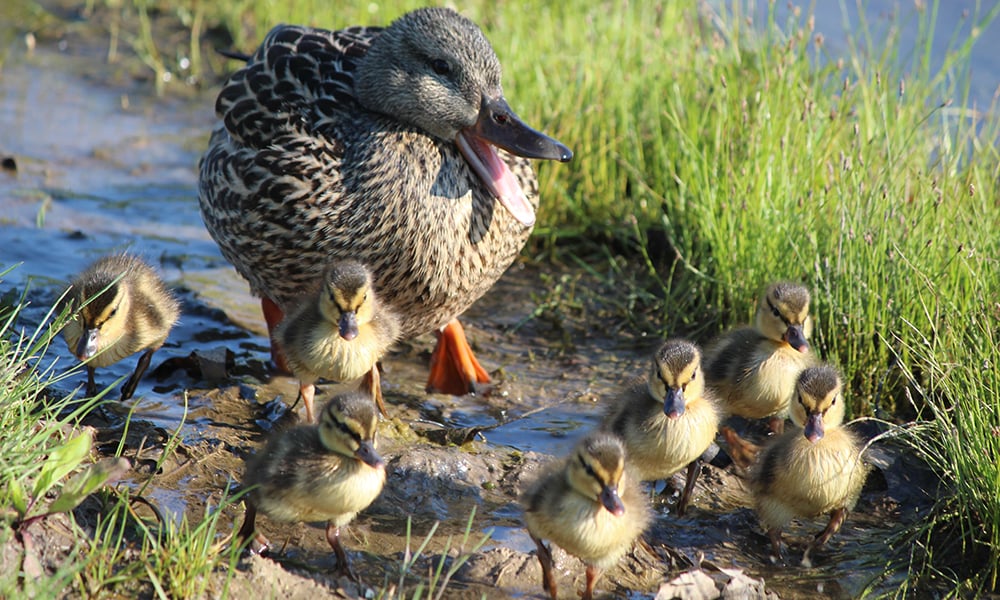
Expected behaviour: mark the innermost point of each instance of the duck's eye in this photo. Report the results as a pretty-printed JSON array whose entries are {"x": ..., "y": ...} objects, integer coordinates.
[
  {"x": 774, "y": 311},
  {"x": 440, "y": 66}
]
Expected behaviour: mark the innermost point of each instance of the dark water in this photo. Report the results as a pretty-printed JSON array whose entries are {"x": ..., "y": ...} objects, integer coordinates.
[{"x": 104, "y": 168}]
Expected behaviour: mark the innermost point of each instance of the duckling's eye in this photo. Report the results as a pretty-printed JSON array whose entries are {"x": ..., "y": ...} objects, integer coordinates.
[
  {"x": 588, "y": 468},
  {"x": 440, "y": 66},
  {"x": 775, "y": 312}
]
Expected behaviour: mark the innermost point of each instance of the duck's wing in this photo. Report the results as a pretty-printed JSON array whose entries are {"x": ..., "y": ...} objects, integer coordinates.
[{"x": 297, "y": 77}]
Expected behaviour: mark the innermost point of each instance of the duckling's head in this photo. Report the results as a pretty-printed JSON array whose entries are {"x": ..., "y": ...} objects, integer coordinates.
[
  {"x": 347, "y": 427},
  {"x": 596, "y": 470},
  {"x": 346, "y": 297},
  {"x": 817, "y": 403},
  {"x": 434, "y": 69},
  {"x": 783, "y": 315},
  {"x": 105, "y": 318},
  {"x": 675, "y": 376}
]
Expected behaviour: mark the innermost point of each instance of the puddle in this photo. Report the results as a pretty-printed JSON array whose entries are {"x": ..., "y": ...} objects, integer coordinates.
[{"x": 107, "y": 178}]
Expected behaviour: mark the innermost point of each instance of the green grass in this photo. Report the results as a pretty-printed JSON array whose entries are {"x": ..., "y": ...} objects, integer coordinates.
[{"x": 749, "y": 153}]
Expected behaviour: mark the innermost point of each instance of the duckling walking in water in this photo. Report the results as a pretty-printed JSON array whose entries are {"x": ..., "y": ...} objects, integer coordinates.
[
  {"x": 339, "y": 333},
  {"x": 588, "y": 506},
  {"x": 813, "y": 470},
  {"x": 123, "y": 307},
  {"x": 326, "y": 472},
  {"x": 668, "y": 421},
  {"x": 752, "y": 370}
]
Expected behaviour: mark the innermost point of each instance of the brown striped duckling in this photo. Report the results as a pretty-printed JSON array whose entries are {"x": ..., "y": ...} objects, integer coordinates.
[
  {"x": 340, "y": 333},
  {"x": 752, "y": 370},
  {"x": 589, "y": 506},
  {"x": 122, "y": 307},
  {"x": 668, "y": 421},
  {"x": 326, "y": 472},
  {"x": 815, "y": 468}
]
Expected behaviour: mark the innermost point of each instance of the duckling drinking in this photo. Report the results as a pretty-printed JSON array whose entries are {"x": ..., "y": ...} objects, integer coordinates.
[
  {"x": 326, "y": 472},
  {"x": 812, "y": 470},
  {"x": 589, "y": 506},
  {"x": 752, "y": 370},
  {"x": 339, "y": 333},
  {"x": 123, "y": 307},
  {"x": 668, "y": 421}
]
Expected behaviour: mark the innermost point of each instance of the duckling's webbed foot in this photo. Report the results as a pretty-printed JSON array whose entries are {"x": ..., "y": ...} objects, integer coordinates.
[
  {"x": 140, "y": 368},
  {"x": 776, "y": 425},
  {"x": 545, "y": 560},
  {"x": 343, "y": 564},
  {"x": 454, "y": 368},
  {"x": 372, "y": 385},
  {"x": 692, "y": 476},
  {"x": 837, "y": 518},
  {"x": 592, "y": 574},
  {"x": 259, "y": 545},
  {"x": 775, "y": 535}
]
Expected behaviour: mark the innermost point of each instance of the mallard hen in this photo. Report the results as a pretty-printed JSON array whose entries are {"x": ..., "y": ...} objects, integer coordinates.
[
  {"x": 391, "y": 146},
  {"x": 122, "y": 307}
]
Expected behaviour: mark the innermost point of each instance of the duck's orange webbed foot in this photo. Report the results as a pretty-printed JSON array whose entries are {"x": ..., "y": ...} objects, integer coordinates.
[
  {"x": 454, "y": 368},
  {"x": 272, "y": 316}
]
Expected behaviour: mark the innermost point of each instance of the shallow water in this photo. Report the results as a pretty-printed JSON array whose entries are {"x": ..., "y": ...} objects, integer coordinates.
[{"x": 106, "y": 178}]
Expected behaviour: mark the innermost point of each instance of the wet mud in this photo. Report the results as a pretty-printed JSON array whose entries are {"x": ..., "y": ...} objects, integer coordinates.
[{"x": 97, "y": 174}]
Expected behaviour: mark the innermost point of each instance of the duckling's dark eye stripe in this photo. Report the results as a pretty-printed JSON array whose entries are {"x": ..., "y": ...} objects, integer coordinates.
[
  {"x": 587, "y": 467},
  {"x": 343, "y": 427},
  {"x": 778, "y": 314}
]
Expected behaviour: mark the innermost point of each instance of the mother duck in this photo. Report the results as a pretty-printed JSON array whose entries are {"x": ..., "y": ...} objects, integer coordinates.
[{"x": 391, "y": 146}]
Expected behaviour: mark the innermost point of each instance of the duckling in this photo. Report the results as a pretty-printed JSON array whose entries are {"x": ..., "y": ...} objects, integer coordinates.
[
  {"x": 325, "y": 472},
  {"x": 668, "y": 421},
  {"x": 340, "y": 333},
  {"x": 123, "y": 307},
  {"x": 589, "y": 506},
  {"x": 390, "y": 145},
  {"x": 812, "y": 470},
  {"x": 752, "y": 370}
]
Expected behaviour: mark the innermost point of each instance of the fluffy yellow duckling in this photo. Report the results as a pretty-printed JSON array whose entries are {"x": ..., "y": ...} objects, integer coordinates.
[
  {"x": 668, "y": 421},
  {"x": 752, "y": 370},
  {"x": 587, "y": 506},
  {"x": 813, "y": 470},
  {"x": 339, "y": 333},
  {"x": 123, "y": 307},
  {"x": 325, "y": 472}
]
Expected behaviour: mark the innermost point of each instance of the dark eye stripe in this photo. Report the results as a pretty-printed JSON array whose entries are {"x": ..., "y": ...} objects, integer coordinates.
[{"x": 778, "y": 314}]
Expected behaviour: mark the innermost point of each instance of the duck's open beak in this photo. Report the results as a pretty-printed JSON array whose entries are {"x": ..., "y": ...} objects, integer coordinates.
[
  {"x": 348, "y": 325},
  {"x": 814, "y": 427},
  {"x": 87, "y": 346},
  {"x": 611, "y": 500},
  {"x": 795, "y": 338},
  {"x": 673, "y": 404},
  {"x": 366, "y": 454},
  {"x": 498, "y": 126}
]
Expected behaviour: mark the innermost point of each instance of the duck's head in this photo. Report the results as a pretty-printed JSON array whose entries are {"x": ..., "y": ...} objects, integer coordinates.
[
  {"x": 103, "y": 317},
  {"x": 817, "y": 403},
  {"x": 347, "y": 427},
  {"x": 675, "y": 376},
  {"x": 346, "y": 297},
  {"x": 783, "y": 315},
  {"x": 434, "y": 69},
  {"x": 597, "y": 470}
]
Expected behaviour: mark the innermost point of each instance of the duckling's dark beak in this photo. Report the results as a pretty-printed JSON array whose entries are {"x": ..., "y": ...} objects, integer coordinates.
[
  {"x": 348, "y": 325},
  {"x": 497, "y": 125},
  {"x": 814, "y": 427},
  {"x": 88, "y": 344},
  {"x": 795, "y": 338},
  {"x": 366, "y": 454},
  {"x": 611, "y": 500},
  {"x": 673, "y": 404}
]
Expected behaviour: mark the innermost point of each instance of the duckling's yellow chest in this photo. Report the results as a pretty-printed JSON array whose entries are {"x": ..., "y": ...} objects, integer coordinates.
[
  {"x": 770, "y": 381},
  {"x": 585, "y": 529},
  {"x": 660, "y": 446},
  {"x": 326, "y": 354}
]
